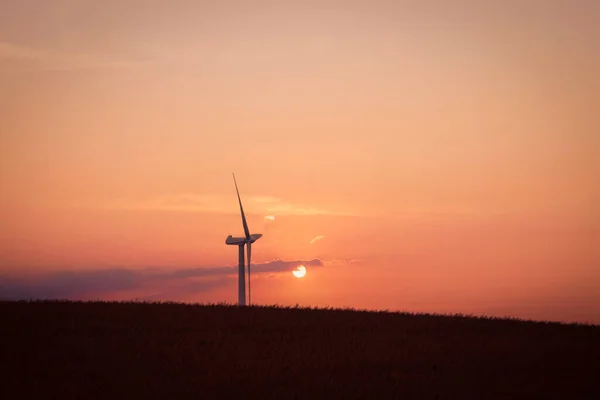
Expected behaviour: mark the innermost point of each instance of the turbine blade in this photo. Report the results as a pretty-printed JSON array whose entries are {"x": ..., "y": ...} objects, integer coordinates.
[
  {"x": 249, "y": 244},
  {"x": 246, "y": 230}
]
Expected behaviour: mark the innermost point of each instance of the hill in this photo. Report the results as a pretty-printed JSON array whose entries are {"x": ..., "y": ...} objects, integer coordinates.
[{"x": 56, "y": 349}]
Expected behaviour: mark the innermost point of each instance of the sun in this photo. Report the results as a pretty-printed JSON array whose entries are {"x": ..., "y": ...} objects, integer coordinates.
[{"x": 299, "y": 271}]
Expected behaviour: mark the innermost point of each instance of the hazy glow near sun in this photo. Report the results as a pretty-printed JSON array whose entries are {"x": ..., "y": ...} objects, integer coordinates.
[{"x": 299, "y": 271}]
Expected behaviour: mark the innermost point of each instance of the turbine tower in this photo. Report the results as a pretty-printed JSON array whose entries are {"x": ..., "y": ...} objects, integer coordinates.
[{"x": 241, "y": 242}]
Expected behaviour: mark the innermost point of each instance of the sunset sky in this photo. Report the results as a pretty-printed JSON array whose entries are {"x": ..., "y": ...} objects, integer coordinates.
[{"x": 426, "y": 156}]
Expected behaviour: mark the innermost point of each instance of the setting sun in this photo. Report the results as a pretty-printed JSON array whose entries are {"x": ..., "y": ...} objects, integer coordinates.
[{"x": 299, "y": 271}]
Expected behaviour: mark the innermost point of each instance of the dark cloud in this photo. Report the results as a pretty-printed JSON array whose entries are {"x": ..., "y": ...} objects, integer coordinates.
[
  {"x": 65, "y": 284},
  {"x": 75, "y": 284},
  {"x": 271, "y": 266}
]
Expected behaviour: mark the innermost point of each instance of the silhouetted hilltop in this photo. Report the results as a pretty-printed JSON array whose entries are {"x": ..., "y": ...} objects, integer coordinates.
[{"x": 57, "y": 349}]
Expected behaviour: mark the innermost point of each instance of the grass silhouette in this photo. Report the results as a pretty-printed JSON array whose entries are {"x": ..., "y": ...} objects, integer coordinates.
[{"x": 61, "y": 349}]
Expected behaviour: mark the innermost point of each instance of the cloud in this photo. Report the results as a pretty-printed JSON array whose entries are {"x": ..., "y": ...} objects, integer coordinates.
[
  {"x": 271, "y": 266},
  {"x": 83, "y": 284},
  {"x": 41, "y": 59},
  {"x": 269, "y": 218},
  {"x": 224, "y": 204},
  {"x": 66, "y": 284},
  {"x": 316, "y": 239},
  {"x": 341, "y": 262},
  {"x": 282, "y": 207},
  {"x": 281, "y": 266}
]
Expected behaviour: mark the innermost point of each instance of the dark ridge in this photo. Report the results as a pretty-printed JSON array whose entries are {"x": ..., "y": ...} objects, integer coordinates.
[{"x": 60, "y": 349}]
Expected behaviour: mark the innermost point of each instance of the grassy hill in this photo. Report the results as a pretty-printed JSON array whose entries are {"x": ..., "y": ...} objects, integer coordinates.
[{"x": 165, "y": 350}]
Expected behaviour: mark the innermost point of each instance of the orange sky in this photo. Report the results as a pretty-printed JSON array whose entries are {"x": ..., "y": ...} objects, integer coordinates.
[{"x": 447, "y": 152}]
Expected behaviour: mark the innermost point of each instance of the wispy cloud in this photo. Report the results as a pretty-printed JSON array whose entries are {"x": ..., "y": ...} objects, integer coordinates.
[
  {"x": 80, "y": 284},
  {"x": 42, "y": 59},
  {"x": 316, "y": 239},
  {"x": 338, "y": 262},
  {"x": 213, "y": 203},
  {"x": 267, "y": 267},
  {"x": 69, "y": 284},
  {"x": 282, "y": 207}
]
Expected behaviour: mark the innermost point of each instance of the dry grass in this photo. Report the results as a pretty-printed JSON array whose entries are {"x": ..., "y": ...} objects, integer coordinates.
[{"x": 166, "y": 350}]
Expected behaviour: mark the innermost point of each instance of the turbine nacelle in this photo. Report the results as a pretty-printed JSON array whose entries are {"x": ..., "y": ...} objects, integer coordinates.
[{"x": 240, "y": 241}]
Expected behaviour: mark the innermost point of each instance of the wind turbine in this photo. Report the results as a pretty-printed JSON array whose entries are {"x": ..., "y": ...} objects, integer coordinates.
[{"x": 241, "y": 242}]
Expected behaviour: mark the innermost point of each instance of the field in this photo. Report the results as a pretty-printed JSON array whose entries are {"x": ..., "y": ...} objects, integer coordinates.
[{"x": 163, "y": 350}]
